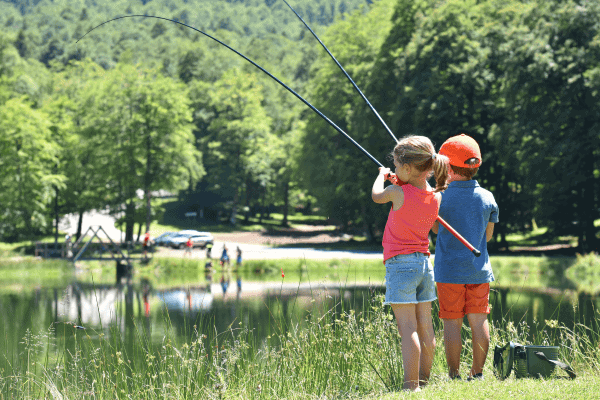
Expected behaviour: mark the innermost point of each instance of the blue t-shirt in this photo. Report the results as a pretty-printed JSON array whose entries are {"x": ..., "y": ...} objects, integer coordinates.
[{"x": 468, "y": 208}]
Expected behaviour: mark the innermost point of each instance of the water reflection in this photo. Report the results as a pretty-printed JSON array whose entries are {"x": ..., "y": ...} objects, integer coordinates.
[{"x": 222, "y": 300}]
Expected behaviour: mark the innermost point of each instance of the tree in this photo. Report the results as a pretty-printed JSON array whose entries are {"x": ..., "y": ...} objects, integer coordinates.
[
  {"x": 27, "y": 169},
  {"x": 140, "y": 126},
  {"x": 232, "y": 130},
  {"x": 554, "y": 68},
  {"x": 332, "y": 167}
]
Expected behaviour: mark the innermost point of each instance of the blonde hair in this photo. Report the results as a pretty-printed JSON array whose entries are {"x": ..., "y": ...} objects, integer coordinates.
[{"x": 419, "y": 151}]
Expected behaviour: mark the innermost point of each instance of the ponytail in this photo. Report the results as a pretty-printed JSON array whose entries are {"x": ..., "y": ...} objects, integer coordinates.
[
  {"x": 440, "y": 172},
  {"x": 419, "y": 151}
]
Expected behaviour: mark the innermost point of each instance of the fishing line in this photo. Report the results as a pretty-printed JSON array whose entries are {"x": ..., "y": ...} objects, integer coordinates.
[
  {"x": 257, "y": 66},
  {"x": 444, "y": 223},
  {"x": 345, "y": 73},
  {"x": 394, "y": 180}
]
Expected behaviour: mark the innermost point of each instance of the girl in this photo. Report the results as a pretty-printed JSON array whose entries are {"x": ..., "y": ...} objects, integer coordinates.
[{"x": 410, "y": 287}]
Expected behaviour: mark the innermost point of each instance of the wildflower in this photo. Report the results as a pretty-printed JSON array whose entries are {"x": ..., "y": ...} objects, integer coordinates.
[
  {"x": 282, "y": 274},
  {"x": 552, "y": 323}
]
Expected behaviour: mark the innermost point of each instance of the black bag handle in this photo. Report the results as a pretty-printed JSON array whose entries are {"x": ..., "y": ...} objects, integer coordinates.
[{"x": 559, "y": 364}]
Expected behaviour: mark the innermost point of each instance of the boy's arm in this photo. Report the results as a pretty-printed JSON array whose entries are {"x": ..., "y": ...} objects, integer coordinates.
[{"x": 489, "y": 231}]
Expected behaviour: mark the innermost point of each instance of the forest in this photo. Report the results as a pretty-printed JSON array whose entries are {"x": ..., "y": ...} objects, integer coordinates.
[{"x": 141, "y": 105}]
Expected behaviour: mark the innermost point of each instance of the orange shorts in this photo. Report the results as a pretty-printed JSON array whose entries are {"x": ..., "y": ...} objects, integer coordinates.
[{"x": 456, "y": 300}]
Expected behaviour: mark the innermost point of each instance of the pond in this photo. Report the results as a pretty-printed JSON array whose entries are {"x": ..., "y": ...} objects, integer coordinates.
[{"x": 69, "y": 304}]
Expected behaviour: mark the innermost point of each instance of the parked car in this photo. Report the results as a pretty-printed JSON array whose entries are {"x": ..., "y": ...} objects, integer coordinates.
[
  {"x": 163, "y": 239},
  {"x": 201, "y": 239}
]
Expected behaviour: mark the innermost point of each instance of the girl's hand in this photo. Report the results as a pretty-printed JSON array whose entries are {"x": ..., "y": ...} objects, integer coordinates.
[{"x": 384, "y": 171}]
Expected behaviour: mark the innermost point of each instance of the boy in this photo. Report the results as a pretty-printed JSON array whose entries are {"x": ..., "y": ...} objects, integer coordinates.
[{"x": 463, "y": 280}]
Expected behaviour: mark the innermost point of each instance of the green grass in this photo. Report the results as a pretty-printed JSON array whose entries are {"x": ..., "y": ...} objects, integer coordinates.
[
  {"x": 327, "y": 354},
  {"x": 586, "y": 272}
]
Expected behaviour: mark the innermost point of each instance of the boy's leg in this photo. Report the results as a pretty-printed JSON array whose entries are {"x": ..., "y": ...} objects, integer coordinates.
[
  {"x": 427, "y": 340},
  {"x": 480, "y": 329},
  {"x": 452, "y": 299},
  {"x": 453, "y": 345},
  {"x": 406, "y": 321},
  {"x": 477, "y": 308}
]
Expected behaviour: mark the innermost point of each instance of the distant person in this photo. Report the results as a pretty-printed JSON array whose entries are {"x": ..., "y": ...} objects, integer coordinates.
[
  {"x": 209, "y": 247},
  {"x": 224, "y": 256},
  {"x": 410, "y": 287},
  {"x": 146, "y": 244},
  {"x": 238, "y": 259},
  {"x": 188, "y": 247},
  {"x": 68, "y": 246},
  {"x": 463, "y": 280}
]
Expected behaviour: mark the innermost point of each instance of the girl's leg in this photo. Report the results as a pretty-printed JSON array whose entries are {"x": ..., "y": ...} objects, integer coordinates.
[
  {"x": 480, "y": 330},
  {"x": 406, "y": 320},
  {"x": 453, "y": 344},
  {"x": 427, "y": 340}
]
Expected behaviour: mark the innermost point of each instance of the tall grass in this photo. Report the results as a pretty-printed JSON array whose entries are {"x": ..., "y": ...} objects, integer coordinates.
[{"x": 331, "y": 352}]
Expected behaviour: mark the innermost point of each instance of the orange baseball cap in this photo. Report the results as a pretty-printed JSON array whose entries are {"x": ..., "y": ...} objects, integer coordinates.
[{"x": 462, "y": 151}]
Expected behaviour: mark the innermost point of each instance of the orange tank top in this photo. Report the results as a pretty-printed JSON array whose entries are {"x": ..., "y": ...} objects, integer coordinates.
[{"x": 407, "y": 229}]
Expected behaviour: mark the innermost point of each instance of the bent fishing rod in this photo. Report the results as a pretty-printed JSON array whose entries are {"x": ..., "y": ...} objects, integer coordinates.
[
  {"x": 392, "y": 177},
  {"x": 389, "y": 131},
  {"x": 253, "y": 63}
]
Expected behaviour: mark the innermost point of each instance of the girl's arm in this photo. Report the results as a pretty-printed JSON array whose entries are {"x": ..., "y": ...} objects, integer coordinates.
[
  {"x": 436, "y": 227},
  {"x": 392, "y": 193}
]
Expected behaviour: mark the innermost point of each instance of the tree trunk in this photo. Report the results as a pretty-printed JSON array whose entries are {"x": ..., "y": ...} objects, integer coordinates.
[
  {"x": 262, "y": 206},
  {"x": 148, "y": 209},
  {"x": 247, "y": 212},
  {"x": 79, "y": 225},
  {"x": 55, "y": 217},
  {"x": 590, "y": 200},
  {"x": 129, "y": 221},
  {"x": 286, "y": 202},
  {"x": 148, "y": 178},
  {"x": 139, "y": 231}
]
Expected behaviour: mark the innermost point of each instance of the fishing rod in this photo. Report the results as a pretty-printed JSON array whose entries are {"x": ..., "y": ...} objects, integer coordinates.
[
  {"x": 345, "y": 73},
  {"x": 391, "y": 177},
  {"x": 257, "y": 66}
]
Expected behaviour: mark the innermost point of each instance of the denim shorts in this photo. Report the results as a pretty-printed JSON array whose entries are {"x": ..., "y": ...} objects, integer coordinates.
[{"x": 409, "y": 279}]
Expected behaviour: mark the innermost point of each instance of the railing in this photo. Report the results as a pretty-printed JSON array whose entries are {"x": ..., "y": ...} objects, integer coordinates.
[
  {"x": 86, "y": 249},
  {"x": 50, "y": 250}
]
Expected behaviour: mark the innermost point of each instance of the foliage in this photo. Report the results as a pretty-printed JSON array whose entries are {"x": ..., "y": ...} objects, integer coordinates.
[
  {"x": 331, "y": 166},
  {"x": 519, "y": 76},
  {"x": 28, "y": 158},
  {"x": 586, "y": 272}
]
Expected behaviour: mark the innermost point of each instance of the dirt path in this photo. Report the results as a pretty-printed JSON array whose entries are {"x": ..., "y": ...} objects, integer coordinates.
[
  {"x": 258, "y": 245},
  {"x": 254, "y": 245}
]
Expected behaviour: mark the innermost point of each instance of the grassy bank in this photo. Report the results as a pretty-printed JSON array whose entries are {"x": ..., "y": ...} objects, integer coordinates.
[{"x": 337, "y": 353}]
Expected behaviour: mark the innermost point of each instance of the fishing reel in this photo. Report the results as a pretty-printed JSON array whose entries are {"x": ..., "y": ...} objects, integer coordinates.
[{"x": 393, "y": 178}]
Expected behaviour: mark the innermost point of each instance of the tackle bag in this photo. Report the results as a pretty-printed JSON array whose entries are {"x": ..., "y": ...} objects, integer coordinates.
[{"x": 528, "y": 361}]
